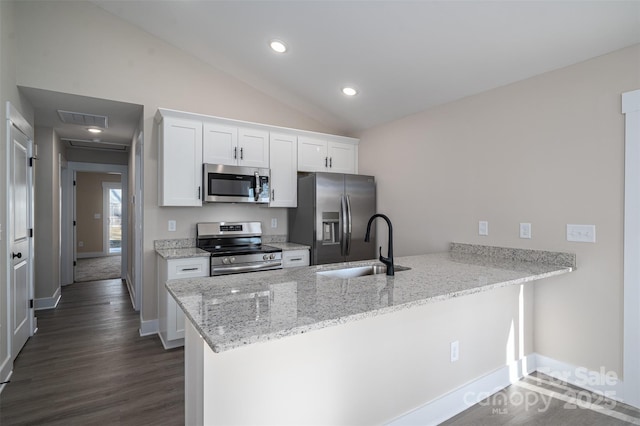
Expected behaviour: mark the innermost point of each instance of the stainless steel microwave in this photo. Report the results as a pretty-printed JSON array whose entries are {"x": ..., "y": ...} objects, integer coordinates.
[{"x": 235, "y": 184}]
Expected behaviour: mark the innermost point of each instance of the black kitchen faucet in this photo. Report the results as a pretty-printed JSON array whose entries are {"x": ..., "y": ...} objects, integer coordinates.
[{"x": 386, "y": 260}]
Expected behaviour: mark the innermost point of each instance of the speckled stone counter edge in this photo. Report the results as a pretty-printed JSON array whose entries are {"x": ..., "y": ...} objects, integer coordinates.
[{"x": 524, "y": 255}]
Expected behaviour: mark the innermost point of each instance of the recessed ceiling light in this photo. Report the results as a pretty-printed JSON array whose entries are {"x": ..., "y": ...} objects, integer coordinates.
[
  {"x": 349, "y": 91},
  {"x": 278, "y": 46},
  {"x": 94, "y": 130}
]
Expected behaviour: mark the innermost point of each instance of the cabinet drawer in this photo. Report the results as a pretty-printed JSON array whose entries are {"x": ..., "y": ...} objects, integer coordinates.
[
  {"x": 185, "y": 268},
  {"x": 293, "y": 258}
]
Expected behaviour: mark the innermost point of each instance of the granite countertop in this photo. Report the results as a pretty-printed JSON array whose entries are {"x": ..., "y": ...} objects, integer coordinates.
[
  {"x": 235, "y": 310},
  {"x": 182, "y": 253},
  {"x": 286, "y": 246}
]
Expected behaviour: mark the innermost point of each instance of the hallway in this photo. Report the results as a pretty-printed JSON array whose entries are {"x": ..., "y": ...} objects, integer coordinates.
[{"x": 87, "y": 364}]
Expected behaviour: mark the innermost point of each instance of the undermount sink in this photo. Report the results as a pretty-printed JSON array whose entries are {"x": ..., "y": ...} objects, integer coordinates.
[{"x": 360, "y": 271}]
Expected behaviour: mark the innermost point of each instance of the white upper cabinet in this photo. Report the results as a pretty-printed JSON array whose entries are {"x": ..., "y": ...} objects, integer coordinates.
[
  {"x": 312, "y": 155},
  {"x": 253, "y": 148},
  {"x": 342, "y": 157},
  {"x": 220, "y": 144},
  {"x": 235, "y": 146},
  {"x": 318, "y": 155},
  {"x": 187, "y": 140},
  {"x": 283, "y": 157},
  {"x": 179, "y": 162}
]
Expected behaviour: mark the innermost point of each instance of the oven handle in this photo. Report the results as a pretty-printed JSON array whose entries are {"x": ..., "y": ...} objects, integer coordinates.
[{"x": 247, "y": 268}]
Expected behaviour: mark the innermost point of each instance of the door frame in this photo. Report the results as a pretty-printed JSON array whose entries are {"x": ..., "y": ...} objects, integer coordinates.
[
  {"x": 631, "y": 327},
  {"x": 123, "y": 170}
]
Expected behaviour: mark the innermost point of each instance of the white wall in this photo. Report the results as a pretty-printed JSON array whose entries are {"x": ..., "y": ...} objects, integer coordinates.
[
  {"x": 549, "y": 151},
  {"x": 47, "y": 213},
  {"x": 8, "y": 92},
  {"x": 133, "y": 66}
]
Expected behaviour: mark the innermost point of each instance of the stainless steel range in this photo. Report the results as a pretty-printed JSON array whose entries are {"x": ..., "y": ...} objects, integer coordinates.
[{"x": 236, "y": 247}]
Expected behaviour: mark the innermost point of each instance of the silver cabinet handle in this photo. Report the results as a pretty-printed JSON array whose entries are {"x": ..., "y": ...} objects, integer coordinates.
[
  {"x": 273, "y": 194},
  {"x": 242, "y": 153},
  {"x": 330, "y": 162},
  {"x": 235, "y": 152},
  {"x": 198, "y": 193},
  {"x": 293, "y": 259},
  {"x": 189, "y": 269},
  {"x": 326, "y": 159}
]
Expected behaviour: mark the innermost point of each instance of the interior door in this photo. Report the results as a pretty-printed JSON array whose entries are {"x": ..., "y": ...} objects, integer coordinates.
[{"x": 20, "y": 222}]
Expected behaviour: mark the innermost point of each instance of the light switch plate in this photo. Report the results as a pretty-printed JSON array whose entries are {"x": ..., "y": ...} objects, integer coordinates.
[
  {"x": 581, "y": 233},
  {"x": 525, "y": 230},
  {"x": 172, "y": 225},
  {"x": 483, "y": 227}
]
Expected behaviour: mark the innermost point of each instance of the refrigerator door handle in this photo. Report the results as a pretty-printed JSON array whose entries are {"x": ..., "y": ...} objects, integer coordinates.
[
  {"x": 344, "y": 219},
  {"x": 348, "y": 236}
]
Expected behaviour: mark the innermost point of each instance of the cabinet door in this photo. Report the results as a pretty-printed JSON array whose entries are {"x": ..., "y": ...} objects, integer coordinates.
[
  {"x": 312, "y": 155},
  {"x": 342, "y": 157},
  {"x": 253, "y": 148},
  {"x": 220, "y": 144},
  {"x": 180, "y": 162},
  {"x": 283, "y": 158}
]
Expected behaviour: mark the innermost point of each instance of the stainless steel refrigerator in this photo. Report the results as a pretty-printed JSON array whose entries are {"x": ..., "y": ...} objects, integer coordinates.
[{"x": 332, "y": 215}]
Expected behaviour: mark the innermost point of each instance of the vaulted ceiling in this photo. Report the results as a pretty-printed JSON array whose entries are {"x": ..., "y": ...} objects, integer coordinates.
[{"x": 402, "y": 56}]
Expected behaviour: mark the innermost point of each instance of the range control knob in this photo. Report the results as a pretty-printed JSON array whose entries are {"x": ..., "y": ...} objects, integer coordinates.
[
  {"x": 225, "y": 260},
  {"x": 272, "y": 256},
  {"x": 265, "y": 257},
  {"x": 232, "y": 259}
]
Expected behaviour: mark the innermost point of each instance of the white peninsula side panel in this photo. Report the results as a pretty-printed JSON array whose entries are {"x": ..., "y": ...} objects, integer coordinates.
[{"x": 371, "y": 371}]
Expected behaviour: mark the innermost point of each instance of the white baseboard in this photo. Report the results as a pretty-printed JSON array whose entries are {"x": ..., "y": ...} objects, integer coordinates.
[
  {"x": 171, "y": 344},
  {"x": 147, "y": 328},
  {"x": 47, "y": 302},
  {"x": 458, "y": 400},
  {"x": 131, "y": 290}
]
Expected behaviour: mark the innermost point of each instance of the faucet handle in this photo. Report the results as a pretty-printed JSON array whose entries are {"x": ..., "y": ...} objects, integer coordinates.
[{"x": 383, "y": 259}]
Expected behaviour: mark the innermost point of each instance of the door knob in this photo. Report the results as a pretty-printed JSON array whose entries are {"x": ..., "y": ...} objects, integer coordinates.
[{"x": 19, "y": 255}]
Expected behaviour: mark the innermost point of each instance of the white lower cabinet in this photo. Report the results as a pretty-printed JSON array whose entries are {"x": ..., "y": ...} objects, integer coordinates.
[
  {"x": 170, "y": 315},
  {"x": 294, "y": 258}
]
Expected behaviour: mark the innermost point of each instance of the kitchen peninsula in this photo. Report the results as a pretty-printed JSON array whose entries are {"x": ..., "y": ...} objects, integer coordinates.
[{"x": 294, "y": 346}]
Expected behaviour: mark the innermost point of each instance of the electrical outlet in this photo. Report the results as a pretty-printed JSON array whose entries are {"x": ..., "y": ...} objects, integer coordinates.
[
  {"x": 274, "y": 222},
  {"x": 80, "y": 243},
  {"x": 172, "y": 225},
  {"x": 525, "y": 230},
  {"x": 483, "y": 227},
  {"x": 455, "y": 351},
  {"x": 581, "y": 233}
]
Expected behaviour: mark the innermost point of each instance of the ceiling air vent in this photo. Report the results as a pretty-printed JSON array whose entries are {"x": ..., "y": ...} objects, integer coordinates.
[
  {"x": 101, "y": 145},
  {"x": 82, "y": 119}
]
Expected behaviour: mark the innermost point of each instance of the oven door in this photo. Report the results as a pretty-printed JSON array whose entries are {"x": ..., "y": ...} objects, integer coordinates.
[
  {"x": 233, "y": 184},
  {"x": 247, "y": 263}
]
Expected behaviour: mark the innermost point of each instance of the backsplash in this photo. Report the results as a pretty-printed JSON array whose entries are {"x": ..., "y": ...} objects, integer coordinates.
[{"x": 526, "y": 255}]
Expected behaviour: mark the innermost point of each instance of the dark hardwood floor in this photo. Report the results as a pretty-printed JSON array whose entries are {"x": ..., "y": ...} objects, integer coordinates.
[
  {"x": 88, "y": 365},
  {"x": 542, "y": 400}
]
